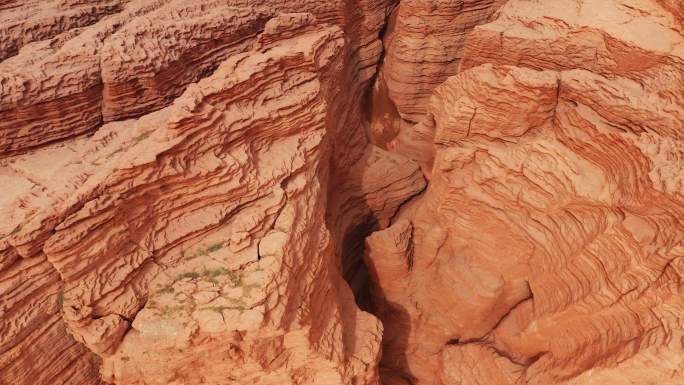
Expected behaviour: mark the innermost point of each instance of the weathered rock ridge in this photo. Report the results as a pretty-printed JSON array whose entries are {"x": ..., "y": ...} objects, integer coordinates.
[
  {"x": 193, "y": 243},
  {"x": 366, "y": 192},
  {"x": 547, "y": 248}
]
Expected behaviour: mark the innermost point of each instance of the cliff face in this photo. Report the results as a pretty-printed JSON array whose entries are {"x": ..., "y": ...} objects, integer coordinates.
[
  {"x": 211, "y": 192},
  {"x": 547, "y": 247},
  {"x": 191, "y": 244}
]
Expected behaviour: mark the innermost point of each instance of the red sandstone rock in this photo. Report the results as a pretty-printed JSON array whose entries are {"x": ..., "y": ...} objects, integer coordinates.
[
  {"x": 23, "y": 22},
  {"x": 424, "y": 45},
  {"x": 424, "y": 41},
  {"x": 150, "y": 61},
  {"x": 191, "y": 245},
  {"x": 191, "y": 189},
  {"x": 546, "y": 248},
  {"x": 52, "y": 89}
]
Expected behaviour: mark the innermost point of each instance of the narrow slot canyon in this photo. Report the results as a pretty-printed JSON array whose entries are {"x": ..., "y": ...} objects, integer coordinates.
[{"x": 341, "y": 192}]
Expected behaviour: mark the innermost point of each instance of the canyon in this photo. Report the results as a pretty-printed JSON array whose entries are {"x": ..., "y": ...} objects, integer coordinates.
[{"x": 363, "y": 192}]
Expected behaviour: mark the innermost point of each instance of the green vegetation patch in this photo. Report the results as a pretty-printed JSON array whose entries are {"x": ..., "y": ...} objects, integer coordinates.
[
  {"x": 166, "y": 290},
  {"x": 141, "y": 137},
  {"x": 60, "y": 299},
  {"x": 189, "y": 274},
  {"x": 205, "y": 251},
  {"x": 215, "y": 247}
]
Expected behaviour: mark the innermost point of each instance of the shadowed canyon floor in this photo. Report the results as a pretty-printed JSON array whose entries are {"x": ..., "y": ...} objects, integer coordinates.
[{"x": 362, "y": 192}]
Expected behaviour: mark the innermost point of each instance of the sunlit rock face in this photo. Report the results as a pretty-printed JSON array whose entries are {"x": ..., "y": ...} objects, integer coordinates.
[
  {"x": 547, "y": 247},
  {"x": 167, "y": 169},
  {"x": 342, "y": 192},
  {"x": 424, "y": 43}
]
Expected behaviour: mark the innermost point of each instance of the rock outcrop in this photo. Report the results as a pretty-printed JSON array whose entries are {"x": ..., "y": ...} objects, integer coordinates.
[
  {"x": 547, "y": 248},
  {"x": 142, "y": 58},
  {"x": 23, "y": 22},
  {"x": 52, "y": 89},
  {"x": 191, "y": 244},
  {"x": 366, "y": 192},
  {"x": 424, "y": 43}
]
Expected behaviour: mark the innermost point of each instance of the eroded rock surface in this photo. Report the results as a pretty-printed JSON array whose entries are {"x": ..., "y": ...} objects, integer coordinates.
[
  {"x": 424, "y": 43},
  {"x": 547, "y": 248},
  {"x": 191, "y": 244},
  {"x": 340, "y": 192}
]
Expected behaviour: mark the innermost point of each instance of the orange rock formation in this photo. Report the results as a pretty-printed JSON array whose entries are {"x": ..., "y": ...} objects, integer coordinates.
[
  {"x": 547, "y": 248},
  {"x": 366, "y": 192}
]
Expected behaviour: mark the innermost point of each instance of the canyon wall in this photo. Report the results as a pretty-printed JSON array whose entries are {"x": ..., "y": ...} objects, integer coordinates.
[
  {"x": 547, "y": 248},
  {"x": 366, "y": 192},
  {"x": 187, "y": 238}
]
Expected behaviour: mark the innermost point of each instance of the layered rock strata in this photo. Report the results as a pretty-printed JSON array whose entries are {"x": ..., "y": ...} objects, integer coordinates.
[
  {"x": 424, "y": 43},
  {"x": 52, "y": 89},
  {"x": 23, "y": 22},
  {"x": 191, "y": 245},
  {"x": 188, "y": 187},
  {"x": 547, "y": 248},
  {"x": 150, "y": 60},
  {"x": 140, "y": 59}
]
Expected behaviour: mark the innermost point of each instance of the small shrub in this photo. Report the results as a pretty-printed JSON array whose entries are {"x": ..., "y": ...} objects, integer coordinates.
[
  {"x": 203, "y": 252},
  {"x": 236, "y": 280},
  {"x": 167, "y": 311},
  {"x": 60, "y": 299},
  {"x": 166, "y": 290},
  {"x": 215, "y": 247},
  {"x": 215, "y": 272},
  {"x": 189, "y": 274},
  {"x": 220, "y": 309},
  {"x": 141, "y": 137},
  {"x": 211, "y": 275},
  {"x": 217, "y": 309}
]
